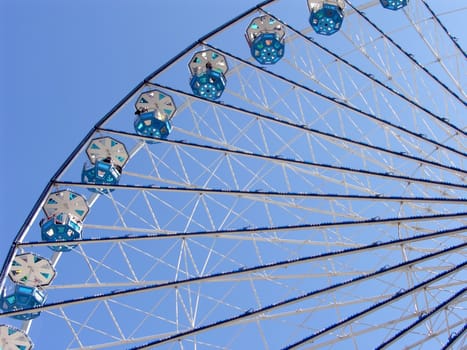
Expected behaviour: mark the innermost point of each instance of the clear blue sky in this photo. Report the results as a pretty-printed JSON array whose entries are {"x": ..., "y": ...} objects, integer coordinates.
[{"x": 64, "y": 64}]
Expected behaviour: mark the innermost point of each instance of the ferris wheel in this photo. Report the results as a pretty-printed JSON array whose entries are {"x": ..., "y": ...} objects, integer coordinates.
[{"x": 295, "y": 179}]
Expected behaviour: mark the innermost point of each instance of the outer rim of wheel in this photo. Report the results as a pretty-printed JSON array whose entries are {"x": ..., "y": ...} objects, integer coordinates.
[{"x": 138, "y": 88}]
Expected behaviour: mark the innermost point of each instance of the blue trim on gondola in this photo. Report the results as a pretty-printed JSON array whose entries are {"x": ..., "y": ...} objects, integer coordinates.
[
  {"x": 148, "y": 125},
  {"x": 393, "y": 4},
  {"x": 24, "y": 297},
  {"x": 327, "y": 20},
  {"x": 209, "y": 85},
  {"x": 101, "y": 173},
  {"x": 267, "y": 48}
]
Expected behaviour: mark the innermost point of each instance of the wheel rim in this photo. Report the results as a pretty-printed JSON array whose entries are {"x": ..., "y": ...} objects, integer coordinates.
[{"x": 302, "y": 201}]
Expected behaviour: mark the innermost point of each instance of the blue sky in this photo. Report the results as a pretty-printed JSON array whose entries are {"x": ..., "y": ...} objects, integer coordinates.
[{"x": 64, "y": 64}]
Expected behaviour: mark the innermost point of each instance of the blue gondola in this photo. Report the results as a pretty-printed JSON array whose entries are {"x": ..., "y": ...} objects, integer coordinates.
[
  {"x": 394, "y": 4},
  {"x": 154, "y": 110},
  {"x": 326, "y": 16},
  {"x": 24, "y": 297},
  {"x": 208, "y": 70},
  {"x": 266, "y": 36}
]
